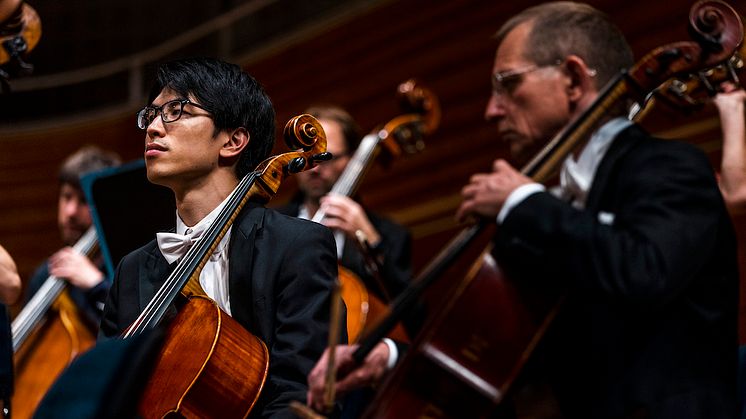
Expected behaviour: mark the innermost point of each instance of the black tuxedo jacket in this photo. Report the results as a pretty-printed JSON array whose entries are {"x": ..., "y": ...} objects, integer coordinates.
[
  {"x": 281, "y": 273},
  {"x": 396, "y": 247},
  {"x": 649, "y": 329}
]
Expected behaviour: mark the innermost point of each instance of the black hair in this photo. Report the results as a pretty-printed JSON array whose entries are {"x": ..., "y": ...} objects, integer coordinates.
[{"x": 233, "y": 97}]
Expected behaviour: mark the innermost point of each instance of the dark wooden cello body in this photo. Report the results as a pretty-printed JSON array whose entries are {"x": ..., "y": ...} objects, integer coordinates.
[
  {"x": 210, "y": 365},
  {"x": 452, "y": 372}
]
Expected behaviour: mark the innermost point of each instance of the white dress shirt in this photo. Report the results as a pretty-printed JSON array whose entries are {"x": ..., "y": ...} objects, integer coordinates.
[
  {"x": 576, "y": 177},
  {"x": 214, "y": 275}
]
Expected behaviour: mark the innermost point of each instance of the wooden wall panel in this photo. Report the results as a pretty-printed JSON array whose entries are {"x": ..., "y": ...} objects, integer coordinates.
[{"x": 357, "y": 64}]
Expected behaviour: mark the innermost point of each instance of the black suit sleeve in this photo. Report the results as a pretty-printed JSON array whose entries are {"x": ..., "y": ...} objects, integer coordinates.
[
  {"x": 665, "y": 224},
  {"x": 396, "y": 246},
  {"x": 110, "y": 325}
]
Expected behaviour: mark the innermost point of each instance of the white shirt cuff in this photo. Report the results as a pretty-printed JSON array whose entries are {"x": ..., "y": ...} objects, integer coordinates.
[
  {"x": 393, "y": 353},
  {"x": 516, "y": 197}
]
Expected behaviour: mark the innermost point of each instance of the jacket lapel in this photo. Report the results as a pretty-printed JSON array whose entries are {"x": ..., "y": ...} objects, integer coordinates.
[
  {"x": 153, "y": 276},
  {"x": 241, "y": 262},
  {"x": 622, "y": 144}
]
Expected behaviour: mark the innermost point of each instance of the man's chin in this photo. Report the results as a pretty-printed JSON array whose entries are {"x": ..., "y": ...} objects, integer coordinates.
[
  {"x": 315, "y": 192},
  {"x": 70, "y": 237}
]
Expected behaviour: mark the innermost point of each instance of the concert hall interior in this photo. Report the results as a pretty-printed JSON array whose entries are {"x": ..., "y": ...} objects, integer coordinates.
[{"x": 95, "y": 62}]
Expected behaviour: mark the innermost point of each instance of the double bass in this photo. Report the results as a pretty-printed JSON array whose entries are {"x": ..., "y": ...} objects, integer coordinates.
[
  {"x": 402, "y": 134},
  {"x": 225, "y": 367},
  {"x": 457, "y": 371}
]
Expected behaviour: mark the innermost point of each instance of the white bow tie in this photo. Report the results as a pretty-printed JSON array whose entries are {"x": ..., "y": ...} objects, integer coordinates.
[{"x": 173, "y": 246}]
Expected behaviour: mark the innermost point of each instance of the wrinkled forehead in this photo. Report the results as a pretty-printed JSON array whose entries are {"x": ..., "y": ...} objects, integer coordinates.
[{"x": 511, "y": 51}]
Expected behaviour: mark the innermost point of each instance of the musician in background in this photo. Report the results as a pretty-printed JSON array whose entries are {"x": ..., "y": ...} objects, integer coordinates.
[
  {"x": 639, "y": 236},
  {"x": 363, "y": 239},
  {"x": 359, "y": 234},
  {"x": 730, "y": 106},
  {"x": 207, "y": 125},
  {"x": 88, "y": 282}
]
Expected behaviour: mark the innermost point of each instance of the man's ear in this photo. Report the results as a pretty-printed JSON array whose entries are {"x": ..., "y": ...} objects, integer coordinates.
[
  {"x": 581, "y": 78},
  {"x": 237, "y": 140}
]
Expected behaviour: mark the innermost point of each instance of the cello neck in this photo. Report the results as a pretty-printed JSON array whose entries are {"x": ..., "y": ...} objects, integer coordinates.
[
  {"x": 38, "y": 306},
  {"x": 356, "y": 168}
]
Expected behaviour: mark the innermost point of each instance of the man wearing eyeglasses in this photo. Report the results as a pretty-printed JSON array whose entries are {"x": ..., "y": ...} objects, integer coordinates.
[
  {"x": 373, "y": 248},
  {"x": 208, "y": 124},
  {"x": 362, "y": 238},
  {"x": 637, "y": 233}
]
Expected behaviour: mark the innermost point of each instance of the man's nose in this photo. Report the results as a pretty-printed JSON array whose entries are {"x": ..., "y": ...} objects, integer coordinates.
[
  {"x": 71, "y": 207},
  {"x": 156, "y": 127},
  {"x": 495, "y": 108}
]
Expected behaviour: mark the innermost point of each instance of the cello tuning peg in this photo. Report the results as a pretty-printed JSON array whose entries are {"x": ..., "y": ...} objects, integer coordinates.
[{"x": 297, "y": 165}]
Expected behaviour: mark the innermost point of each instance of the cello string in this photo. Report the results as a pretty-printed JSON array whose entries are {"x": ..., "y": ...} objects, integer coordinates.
[
  {"x": 42, "y": 300},
  {"x": 346, "y": 183},
  {"x": 176, "y": 281}
]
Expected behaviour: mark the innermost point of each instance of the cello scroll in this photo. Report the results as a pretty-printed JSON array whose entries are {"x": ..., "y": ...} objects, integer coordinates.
[{"x": 20, "y": 31}]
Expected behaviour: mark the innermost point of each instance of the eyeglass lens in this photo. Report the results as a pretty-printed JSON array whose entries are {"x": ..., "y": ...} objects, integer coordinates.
[{"x": 170, "y": 112}]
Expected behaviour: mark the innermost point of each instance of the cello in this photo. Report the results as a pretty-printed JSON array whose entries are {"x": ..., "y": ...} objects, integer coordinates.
[
  {"x": 457, "y": 371},
  {"x": 402, "y": 134},
  {"x": 227, "y": 366},
  {"x": 48, "y": 334}
]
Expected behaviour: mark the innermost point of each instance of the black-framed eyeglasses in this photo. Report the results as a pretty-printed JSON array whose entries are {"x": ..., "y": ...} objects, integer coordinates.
[
  {"x": 170, "y": 112},
  {"x": 505, "y": 82}
]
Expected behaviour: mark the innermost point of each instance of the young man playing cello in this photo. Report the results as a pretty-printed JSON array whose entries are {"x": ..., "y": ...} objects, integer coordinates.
[{"x": 207, "y": 125}]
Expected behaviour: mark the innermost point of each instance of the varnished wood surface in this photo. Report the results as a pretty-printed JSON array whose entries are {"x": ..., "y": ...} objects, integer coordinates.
[
  {"x": 48, "y": 351},
  {"x": 209, "y": 366}
]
